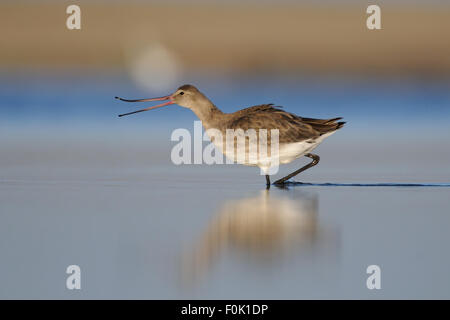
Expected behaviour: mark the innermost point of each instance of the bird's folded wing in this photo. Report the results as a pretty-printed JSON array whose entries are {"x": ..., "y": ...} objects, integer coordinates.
[{"x": 291, "y": 127}]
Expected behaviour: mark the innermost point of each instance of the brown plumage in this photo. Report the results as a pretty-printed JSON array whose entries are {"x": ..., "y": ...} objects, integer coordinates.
[{"x": 292, "y": 128}]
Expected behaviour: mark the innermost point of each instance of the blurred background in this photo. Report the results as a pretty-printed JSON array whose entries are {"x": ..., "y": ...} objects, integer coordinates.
[
  {"x": 315, "y": 60},
  {"x": 65, "y": 155}
]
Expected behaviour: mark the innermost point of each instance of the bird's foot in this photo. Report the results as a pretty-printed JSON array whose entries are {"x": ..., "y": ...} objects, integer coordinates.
[{"x": 280, "y": 182}]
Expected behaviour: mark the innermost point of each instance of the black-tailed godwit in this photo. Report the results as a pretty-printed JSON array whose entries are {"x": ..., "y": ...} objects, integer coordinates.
[{"x": 297, "y": 136}]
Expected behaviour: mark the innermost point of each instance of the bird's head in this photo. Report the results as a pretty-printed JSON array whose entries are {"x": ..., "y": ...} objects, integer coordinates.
[{"x": 186, "y": 96}]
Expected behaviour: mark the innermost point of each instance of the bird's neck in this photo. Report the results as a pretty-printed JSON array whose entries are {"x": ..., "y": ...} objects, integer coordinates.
[{"x": 208, "y": 113}]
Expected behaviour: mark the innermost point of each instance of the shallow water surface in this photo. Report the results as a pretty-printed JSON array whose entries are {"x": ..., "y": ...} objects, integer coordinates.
[
  {"x": 200, "y": 234},
  {"x": 79, "y": 186}
]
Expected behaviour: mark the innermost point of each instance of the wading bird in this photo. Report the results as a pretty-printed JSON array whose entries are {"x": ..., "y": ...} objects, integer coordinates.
[{"x": 297, "y": 136}]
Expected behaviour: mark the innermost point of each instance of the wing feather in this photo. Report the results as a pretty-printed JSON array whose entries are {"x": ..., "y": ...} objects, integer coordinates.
[{"x": 292, "y": 128}]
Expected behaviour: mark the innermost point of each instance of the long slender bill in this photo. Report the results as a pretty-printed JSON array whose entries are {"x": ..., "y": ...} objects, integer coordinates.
[
  {"x": 147, "y": 100},
  {"x": 150, "y": 108},
  {"x": 144, "y": 100}
]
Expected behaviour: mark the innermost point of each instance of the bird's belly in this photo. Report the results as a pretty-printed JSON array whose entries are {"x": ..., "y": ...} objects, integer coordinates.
[
  {"x": 291, "y": 151},
  {"x": 286, "y": 153}
]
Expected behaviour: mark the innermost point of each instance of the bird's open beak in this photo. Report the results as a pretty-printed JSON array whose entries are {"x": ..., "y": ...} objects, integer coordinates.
[{"x": 169, "y": 97}]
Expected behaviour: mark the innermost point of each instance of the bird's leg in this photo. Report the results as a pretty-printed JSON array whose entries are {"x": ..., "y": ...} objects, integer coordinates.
[
  {"x": 267, "y": 181},
  {"x": 315, "y": 161}
]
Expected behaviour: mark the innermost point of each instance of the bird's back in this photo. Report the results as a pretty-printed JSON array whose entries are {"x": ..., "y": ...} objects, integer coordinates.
[{"x": 292, "y": 128}]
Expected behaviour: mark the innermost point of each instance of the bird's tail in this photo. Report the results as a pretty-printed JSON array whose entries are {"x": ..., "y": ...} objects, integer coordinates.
[{"x": 325, "y": 125}]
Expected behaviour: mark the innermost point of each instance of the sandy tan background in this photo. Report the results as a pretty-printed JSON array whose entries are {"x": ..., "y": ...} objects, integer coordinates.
[{"x": 250, "y": 37}]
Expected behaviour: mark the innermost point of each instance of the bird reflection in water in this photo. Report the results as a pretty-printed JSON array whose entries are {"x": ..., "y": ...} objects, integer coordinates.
[{"x": 266, "y": 228}]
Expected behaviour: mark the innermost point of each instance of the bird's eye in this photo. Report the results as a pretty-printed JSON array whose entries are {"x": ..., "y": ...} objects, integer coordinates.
[{"x": 181, "y": 93}]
